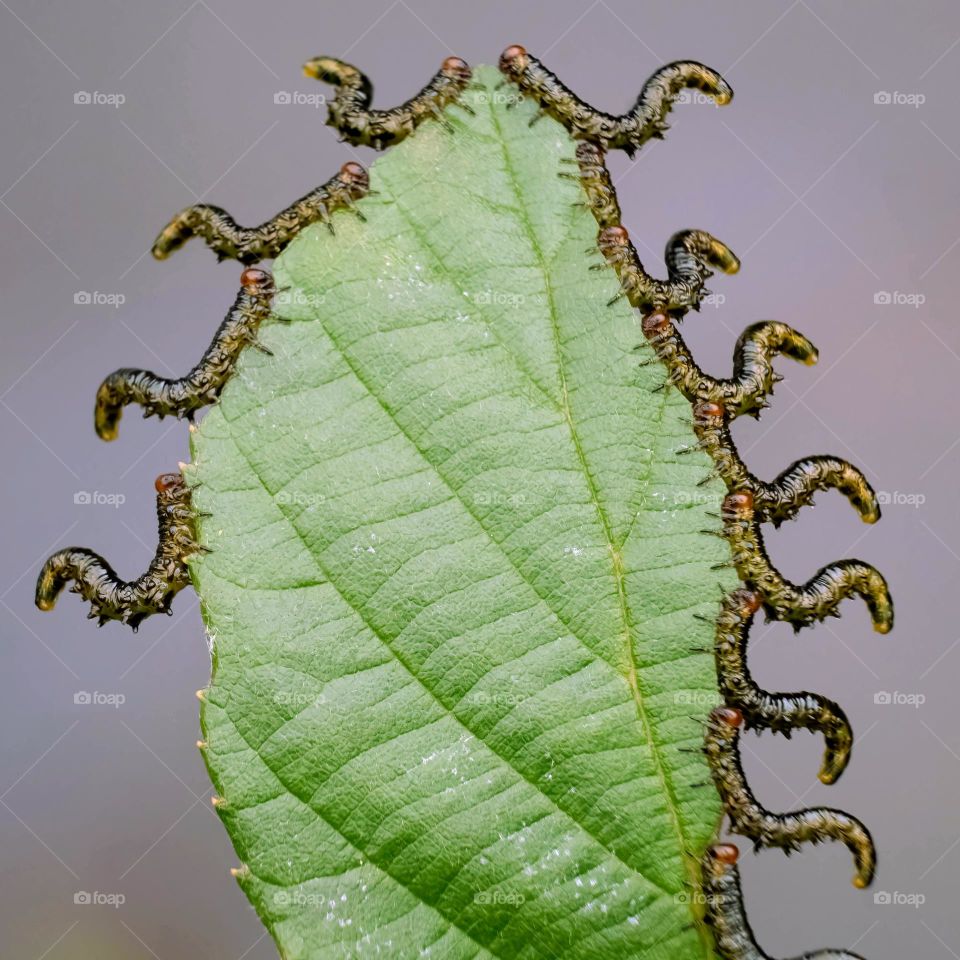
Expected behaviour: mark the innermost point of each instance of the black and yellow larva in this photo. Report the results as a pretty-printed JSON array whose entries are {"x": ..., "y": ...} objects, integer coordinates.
[
  {"x": 628, "y": 132},
  {"x": 349, "y": 111},
  {"x": 785, "y": 830},
  {"x": 129, "y": 601},
  {"x": 161, "y": 396},
  {"x": 820, "y": 596},
  {"x": 229, "y": 241},
  {"x": 779, "y": 712},
  {"x": 725, "y": 914}
]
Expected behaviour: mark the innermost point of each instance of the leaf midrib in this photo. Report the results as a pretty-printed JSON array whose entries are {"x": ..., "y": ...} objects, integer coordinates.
[{"x": 633, "y": 674}]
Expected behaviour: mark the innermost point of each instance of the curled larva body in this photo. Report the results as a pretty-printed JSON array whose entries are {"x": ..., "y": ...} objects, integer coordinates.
[
  {"x": 349, "y": 111},
  {"x": 779, "y": 712},
  {"x": 782, "y": 498},
  {"x": 689, "y": 256},
  {"x": 229, "y": 241},
  {"x": 161, "y": 396},
  {"x": 820, "y": 596},
  {"x": 785, "y": 830},
  {"x": 726, "y": 916},
  {"x": 130, "y": 601}
]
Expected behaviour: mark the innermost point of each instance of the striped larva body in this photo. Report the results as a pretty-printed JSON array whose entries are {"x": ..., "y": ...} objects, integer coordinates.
[
  {"x": 229, "y": 241},
  {"x": 726, "y": 916},
  {"x": 595, "y": 179},
  {"x": 780, "y": 499},
  {"x": 779, "y": 712},
  {"x": 820, "y": 596},
  {"x": 789, "y": 831},
  {"x": 754, "y": 377},
  {"x": 349, "y": 111},
  {"x": 690, "y": 256},
  {"x": 202, "y": 385},
  {"x": 628, "y": 132},
  {"x": 129, "y": 601}
]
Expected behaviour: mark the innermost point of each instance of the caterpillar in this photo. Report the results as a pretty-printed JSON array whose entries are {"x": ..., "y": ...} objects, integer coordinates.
[
  {"x": 349, "y": 111},
  {"x": 228, "y": 240},
  {"x": 779, "y": 712},
  {"x": 725, "y": 914},
  {"x": 785, "y": 830},
  {"x": 819, "y": 597},
  {"x": 781, "y": 498},
  {"x": 689, "y": 256},
  {"x": 629, "y": 132},
  {"x": 753, "y": 379},
  {"x": 129, "y": 601},
  {"x": 202, "y": 385}
]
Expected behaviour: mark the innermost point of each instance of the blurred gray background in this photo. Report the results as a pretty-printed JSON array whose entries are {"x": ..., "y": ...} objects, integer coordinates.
[{"x": 834, "y": 175}]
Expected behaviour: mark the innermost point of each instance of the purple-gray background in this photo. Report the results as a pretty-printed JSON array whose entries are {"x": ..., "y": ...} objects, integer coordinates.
[{"x": 833, "y": 200}]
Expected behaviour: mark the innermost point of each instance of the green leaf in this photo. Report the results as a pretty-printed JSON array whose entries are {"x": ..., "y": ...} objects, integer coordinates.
[{"x": 456, "y": 566}]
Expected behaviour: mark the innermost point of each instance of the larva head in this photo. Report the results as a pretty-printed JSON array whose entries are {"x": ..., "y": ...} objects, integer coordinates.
[
  {"x": 513, "y": 60},
  {"x": 355, "y": 178},
  {"x": 256, "y": 282},
  {"x": 456, "y": 69},
  {"x": 727, "y": 719},
  {"x": 745, "y": 603},
  {"x": 656, "y": 325},
  {"x": 168, "y": 483},
  {"x": 737, "y": 506},
  {"x": 726, "y": 853},
  {"x": 707, "y": 413},
  {"x": 612, "y": 239}
]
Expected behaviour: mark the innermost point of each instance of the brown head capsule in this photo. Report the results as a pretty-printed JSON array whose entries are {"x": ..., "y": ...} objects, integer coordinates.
[
  {"x": 655, "y": 325},
  {"x": 255, "y": 281},
  {"x": 706, "y": 412},
  {"x": 355, "y": 175},
  {"x": 611, "y": 238},
  {"x": 745, "y": 602},
  {"x": 728, "y": 716},
  {"x": 456, "y": 69},
  {"x": 727, "y": 853},
  {"x": 167, "y": 482},
  {"x": 737, "y": 505},
  {"x": 513, "y": 59}
]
